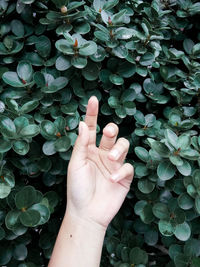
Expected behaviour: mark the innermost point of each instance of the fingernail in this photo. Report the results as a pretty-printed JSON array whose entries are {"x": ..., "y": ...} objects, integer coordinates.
[
  {"x": 114, "y": 153},
  {"x": 115, "y": 177},
  {"x": 80, "y": 128},
  {"x": 111, "y": 130}
]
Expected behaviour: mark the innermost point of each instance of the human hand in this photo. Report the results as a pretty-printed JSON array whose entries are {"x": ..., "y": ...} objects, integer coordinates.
[{"x": 98, "y": 180}]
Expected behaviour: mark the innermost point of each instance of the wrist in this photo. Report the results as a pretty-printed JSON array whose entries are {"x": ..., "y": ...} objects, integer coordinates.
[{"x": 83, "y": 222}]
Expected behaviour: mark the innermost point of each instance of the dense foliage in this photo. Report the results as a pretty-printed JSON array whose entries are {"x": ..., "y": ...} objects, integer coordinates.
[{"x": 141, "y": 59}]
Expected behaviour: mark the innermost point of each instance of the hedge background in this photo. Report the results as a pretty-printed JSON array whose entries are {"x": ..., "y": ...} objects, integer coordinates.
[{"x": 141, "y": 60}]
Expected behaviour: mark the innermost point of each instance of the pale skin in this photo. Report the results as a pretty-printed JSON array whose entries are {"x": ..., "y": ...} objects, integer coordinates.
[{"x": 98, "y": 181}]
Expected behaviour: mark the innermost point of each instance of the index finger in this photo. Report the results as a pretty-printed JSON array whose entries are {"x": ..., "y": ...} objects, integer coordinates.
[{"x": 91, "y": 118}]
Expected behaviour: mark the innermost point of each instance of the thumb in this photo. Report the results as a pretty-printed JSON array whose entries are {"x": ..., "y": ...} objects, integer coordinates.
[{"x": 79, "y": 154}]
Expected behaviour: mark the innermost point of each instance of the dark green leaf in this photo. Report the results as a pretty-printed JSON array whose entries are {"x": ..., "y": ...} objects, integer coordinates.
[{"x": 25, "y": 197}]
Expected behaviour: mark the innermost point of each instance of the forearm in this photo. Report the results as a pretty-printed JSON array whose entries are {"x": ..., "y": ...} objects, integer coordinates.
[{"x": 79, "y": 243}]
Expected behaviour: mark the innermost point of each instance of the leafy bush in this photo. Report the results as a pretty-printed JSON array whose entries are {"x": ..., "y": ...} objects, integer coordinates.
[{"x": 141, "y": 60}]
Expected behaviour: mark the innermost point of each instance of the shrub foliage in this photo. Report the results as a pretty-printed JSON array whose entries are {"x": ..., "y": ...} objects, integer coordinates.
[{"x": 141, "y": 59}]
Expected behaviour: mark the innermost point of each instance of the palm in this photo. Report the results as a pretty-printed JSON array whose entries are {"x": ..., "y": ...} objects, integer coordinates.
[{"x": 91, "y": 189}]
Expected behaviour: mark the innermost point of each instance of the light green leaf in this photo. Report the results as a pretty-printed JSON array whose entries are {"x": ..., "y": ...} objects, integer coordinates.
[
  {"x": 24, "y": 70},
  {"x": 165, "y": 170},
  {"x": 12, "y": 79},
  {"x": 7, "y": 127},
  {"x": 171, "y": 137},
  {"x": 182, "y": 231}
]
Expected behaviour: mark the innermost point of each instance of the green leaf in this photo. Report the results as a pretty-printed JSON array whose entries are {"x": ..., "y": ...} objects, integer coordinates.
[
  {"x": 113, "y": 102},
  {"x": 79, "y": 62},
  {"x": 63, "y": 63},
  {"x": 191, "y": 190},
  {"x": 103, "y": 36},
  {"x": 176, "y": 160},
  {"x": 166, "y": 228},
  {"x": 195, "y": 262},
  {"x": 88, "y": 49},
  {"x": 120, "y": 112},
  {"x": 119, "y": 17},
  {"x": 30, "y": 218},
  {"x": 130, "y": 107},
  {"x": 165, "y": 170},
  {"x": 188, "y": 45},
  {"x": 43, "y": 211},
  {"x": 151, "y": 237},
  {"x": 196, "y": 49},
  {"x": 185, "y": 169},
  {"x": 29, "y": 106},
  {"x": 91, "y": 71},
  {"x": 21, "y": 122},
  {"x": 17, "y": 28},
  {"x": 99, "y": 55},
  {"x": 139, "y": 206},
  {"x": 185, "y": 202},
  {"x": 139, "y": 117},
  {"x": 190, "y": 154},
  {"x": 171, "y": 137},
  {"x": 82, "y": 27},
  {"x": 21, "y": 147},
  {"x": 43, "y": 46},
  {"x": 182, "y": 231},
  {"x": 7, "y": 127},
  {"x": 48, "y": 148},
  {"x": 184, "y": 141},
  {"x": 127, "y": 70},
  {"x": 196, "y": 178},
  {"x": 160, "y": 210},
  {"x": 142, "y": 153},
  {"x": 160, "y": 148},
  {"x": 123, "y": 33},
  {"x": 147, "y": 59},
  {"x": 138, "y": 256},
  {"x": 30, "y": 130},
  {"x": 27, "y": 1},
  {"x": 12, "y": 79},
  {"x": 11, "y": 219},
  {"x": 39, "y": 79},
  {"x": 24, "y": 70},
  {"x": 5, "y": 145},
  {"x": 116, "y": 79},
  {"x": 5, "y": 254},
  {"x": 2, "y": 233},
  {"x": 56, "y": 85},
  {"x": 192, "y": 247},
  {"x": 5, "y": 189},
  {"x": 20, "y": 252},
  {"x": 12, "y": 104},
  {"x": 181, "y": 260},
  {"x": 120, "y": 51},
  {"x": 146, "y": 186},
  {"x": 146, "y": 214},
  {"x": 109, "y": 5},
  {"x": 48, "y": 129},
  {"x": 53, "y": 199},
  {"x": 150, "y": 120},
  {"x": 25, "y": 197},
  {"x": 62, "y": 144},
  {"x": 197, "y": 204}
]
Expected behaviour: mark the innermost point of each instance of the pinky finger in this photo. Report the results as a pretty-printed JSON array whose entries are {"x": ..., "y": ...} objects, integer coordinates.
[{"x": 125, "y": 172}]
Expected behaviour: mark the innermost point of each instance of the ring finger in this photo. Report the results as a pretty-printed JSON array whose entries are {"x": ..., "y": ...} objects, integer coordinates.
[
  {"x": 119, "y": 150},
  {"x": 109, "y": 136}
]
